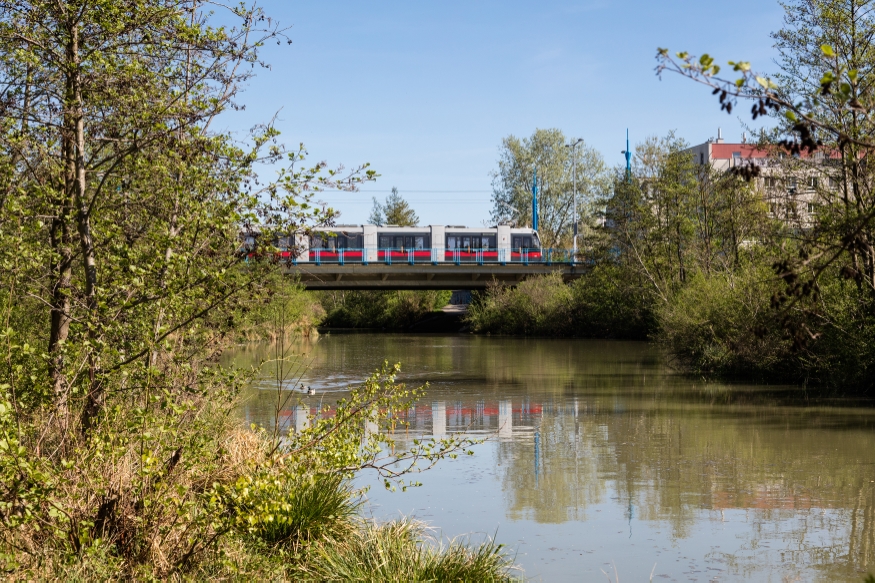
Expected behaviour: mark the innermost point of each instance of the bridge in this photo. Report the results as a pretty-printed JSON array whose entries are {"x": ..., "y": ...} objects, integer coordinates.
[{"x": 339, "y": 272}]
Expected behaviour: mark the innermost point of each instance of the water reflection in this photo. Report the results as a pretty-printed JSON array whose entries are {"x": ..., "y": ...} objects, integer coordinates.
[{"x": 603, "y": 452}]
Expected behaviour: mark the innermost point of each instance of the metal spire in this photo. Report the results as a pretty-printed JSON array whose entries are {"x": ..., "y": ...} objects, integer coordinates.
[
  {"x": 535, "y": 200},
  {"x": 628, "y": 153}
]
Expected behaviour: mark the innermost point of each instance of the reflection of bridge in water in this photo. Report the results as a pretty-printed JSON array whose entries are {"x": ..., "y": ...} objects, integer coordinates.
[{"x": 441, "y": 418}]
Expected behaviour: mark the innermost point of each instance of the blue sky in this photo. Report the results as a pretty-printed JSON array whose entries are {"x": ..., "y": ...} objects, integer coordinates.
[{"x": 425, "y": 91}]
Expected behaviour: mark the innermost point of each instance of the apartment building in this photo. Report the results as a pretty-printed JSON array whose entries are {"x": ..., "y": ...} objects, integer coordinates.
[{"x": 791, "y": 185}]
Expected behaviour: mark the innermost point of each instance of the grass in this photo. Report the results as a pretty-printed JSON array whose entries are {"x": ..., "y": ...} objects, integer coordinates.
[
  {"x": 295, "y": 512},
  {"x": 403, "y": 551}
]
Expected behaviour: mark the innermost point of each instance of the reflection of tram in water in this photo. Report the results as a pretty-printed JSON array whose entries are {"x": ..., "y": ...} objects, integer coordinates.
[{"x": 432, "y": 244}]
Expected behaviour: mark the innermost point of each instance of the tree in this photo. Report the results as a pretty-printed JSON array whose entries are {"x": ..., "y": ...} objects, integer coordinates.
[
  {"x": 821, "y": 100},
  {"x": 545, "y": 152},
  {"x": 395, "y": 211},
  {"x": 673, "y": 217},
  {"x": 120, "y": 217}
]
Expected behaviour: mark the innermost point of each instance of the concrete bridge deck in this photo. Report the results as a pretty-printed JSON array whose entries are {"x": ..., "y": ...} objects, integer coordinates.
[{"x": 421, "y": 276}]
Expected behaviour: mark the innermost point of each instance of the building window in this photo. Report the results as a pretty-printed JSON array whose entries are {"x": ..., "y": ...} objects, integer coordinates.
[
  {"x": 771, "y": 182},
  {"x": 813, "y": 181},
  {"x": 811, "y": 207},
  {"x": 701, "y": 158}
]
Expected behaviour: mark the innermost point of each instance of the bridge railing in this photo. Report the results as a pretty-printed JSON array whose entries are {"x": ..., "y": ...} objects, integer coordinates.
[{"x": 401, "y": 256}]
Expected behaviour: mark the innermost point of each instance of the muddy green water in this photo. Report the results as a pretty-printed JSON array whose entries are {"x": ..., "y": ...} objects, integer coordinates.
[{"x": 602, "y": 458}]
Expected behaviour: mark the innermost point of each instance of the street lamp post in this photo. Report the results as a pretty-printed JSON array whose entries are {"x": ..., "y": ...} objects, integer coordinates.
[{"x": 573, "y": 147}]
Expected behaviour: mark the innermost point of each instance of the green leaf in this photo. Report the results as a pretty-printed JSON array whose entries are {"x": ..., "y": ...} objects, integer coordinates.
[{"x": 827, "y": 50}]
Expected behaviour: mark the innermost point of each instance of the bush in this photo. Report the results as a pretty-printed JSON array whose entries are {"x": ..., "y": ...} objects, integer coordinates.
[
  {"x": 610, "y": 303},
  {"x": 538, "y": 306},
  {"x": 724, "y": 324},
  {"x": 285, "y": 309},
  {"x": 843, "y": 352},
  {"x": 601, "y": 304},
  {"x": 389, "y": 310}
]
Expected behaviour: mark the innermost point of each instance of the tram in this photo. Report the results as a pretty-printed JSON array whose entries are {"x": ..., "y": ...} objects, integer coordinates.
[{"x": 431, "y": 244}]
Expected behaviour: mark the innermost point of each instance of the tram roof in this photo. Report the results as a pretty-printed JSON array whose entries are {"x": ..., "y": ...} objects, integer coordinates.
[{"x": 420, "y": 229}]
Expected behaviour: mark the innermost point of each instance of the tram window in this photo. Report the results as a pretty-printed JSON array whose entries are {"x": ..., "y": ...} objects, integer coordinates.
[
  {"x": 385, "y": 242},
  {"x": 454, "y": 242},
  {"x": 399, "y": 242},
  {"x": 316, "y": 242},
  {"x": 419, "y": 243},
  {"x": 349, "y": 241},
  {"x": 522, "y": 242},
  {"x": 466, "y": 242}
]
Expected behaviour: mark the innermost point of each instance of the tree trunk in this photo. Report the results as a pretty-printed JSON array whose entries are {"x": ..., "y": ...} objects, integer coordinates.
[
  {"x": 94, "y": 399},
  {"x": 62, "y": 271}
]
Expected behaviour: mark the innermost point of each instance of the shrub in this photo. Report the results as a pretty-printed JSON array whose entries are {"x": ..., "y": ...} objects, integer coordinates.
[
  {"x": 538, "y": 306},
  {"x": 604, "y": 303},
  {"x": 609, "y": 302},
  {"x": 285, "y": 309},
  {"x": 843, "y": 352},
  {"x": 390, "y": 310},
  {"x": 724, "y": 324}
]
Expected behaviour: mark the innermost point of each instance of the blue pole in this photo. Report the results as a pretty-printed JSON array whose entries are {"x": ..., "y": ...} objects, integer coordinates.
[
  {"x": 535, "y": 200},
  {"x": 628, "y": 153}
]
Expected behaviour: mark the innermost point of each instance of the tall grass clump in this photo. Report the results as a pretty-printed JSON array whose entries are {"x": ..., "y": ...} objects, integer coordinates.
[
  {"x": 289, "y": 510},
  {"x": 403, "y": 551}
]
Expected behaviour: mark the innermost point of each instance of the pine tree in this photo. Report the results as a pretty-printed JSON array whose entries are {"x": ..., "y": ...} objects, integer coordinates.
[{"x": 395, "y": 211}]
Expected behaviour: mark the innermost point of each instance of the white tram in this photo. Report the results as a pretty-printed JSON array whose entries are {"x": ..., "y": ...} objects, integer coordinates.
[{"x": 432, "y": 244}]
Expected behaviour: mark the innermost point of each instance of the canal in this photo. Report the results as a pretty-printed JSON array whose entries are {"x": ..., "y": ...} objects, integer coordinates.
[{"x": 601, "y": 458}]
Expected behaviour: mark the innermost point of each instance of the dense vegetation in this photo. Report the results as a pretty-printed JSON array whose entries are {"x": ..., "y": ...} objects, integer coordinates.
[
  {"x": 382, "y": 310},
  {"x": 764, "y": 272},
  {"x": 122, "y": 280}
]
